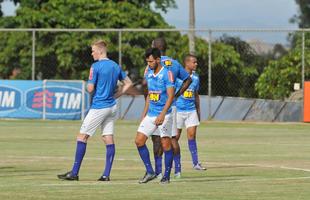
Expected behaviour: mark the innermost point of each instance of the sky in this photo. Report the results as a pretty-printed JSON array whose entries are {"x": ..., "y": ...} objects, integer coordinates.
[
  {"x": 266, "y": 14},
  {"x": 229, "y": 14}
]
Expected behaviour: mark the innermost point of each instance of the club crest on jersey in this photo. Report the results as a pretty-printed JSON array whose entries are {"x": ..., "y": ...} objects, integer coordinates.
[{"x": 168, "y": 63}]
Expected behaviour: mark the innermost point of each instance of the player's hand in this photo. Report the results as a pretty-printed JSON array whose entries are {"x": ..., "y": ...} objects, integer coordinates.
[{"x": 160, "y": 119}]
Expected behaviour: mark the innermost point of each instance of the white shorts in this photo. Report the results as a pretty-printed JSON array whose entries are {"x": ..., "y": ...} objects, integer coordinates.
[
  {"x": 174, "y": 122},
  {"x": 99, "y": 117},
  {"x": 187, "y": 119},
  {"x": 148, "y": 127}
]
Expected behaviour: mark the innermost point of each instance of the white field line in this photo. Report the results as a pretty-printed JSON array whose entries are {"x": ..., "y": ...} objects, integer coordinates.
[
  {"x": 185, "y": 181},
  {"x": 261, "y": 165},
  {"x": 37, "y": 158},
  {"x": 135, "y": 182}
]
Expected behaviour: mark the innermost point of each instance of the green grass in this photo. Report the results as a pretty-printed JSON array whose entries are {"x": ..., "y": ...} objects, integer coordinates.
[{"x": 244, "y": 160}]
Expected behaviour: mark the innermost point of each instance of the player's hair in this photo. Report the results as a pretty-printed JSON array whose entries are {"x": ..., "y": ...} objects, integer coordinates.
[
  {"x": 102, "y": 45},
  {"x": 188, "y": 56},
  {"x": 155, "y": 52},
  {"x": 160, "y": 43}
]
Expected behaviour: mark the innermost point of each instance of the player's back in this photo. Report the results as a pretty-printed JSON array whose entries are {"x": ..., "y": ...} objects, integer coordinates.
[
  {"x": 105, "y": 73},
  {"x": 175, "y": 67}
]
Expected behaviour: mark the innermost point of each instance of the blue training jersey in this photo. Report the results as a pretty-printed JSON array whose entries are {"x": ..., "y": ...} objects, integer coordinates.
[
  {"x": 186, "y": 101},
  {"x": 157, "y": 90},
  {"x": 175, "y": 67},
  {"x": 104, "y": 74}
]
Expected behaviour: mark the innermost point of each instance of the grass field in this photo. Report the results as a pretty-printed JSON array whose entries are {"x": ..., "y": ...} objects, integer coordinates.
[{"x": 244, "y": 160}]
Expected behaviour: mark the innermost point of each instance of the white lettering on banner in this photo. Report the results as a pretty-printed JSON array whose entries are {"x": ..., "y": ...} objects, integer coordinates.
[
  {"x": 74, "y": 101},
  {"x": 68, "y": 100},
  {"x": 7, "y": 99},
  {"x": 64, "y": 103},
  {"x": 58, "y": 96}
]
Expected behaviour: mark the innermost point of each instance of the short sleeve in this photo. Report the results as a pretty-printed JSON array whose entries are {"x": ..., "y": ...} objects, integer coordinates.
[
  {"x": 198, "y": 84},
  {"x": 93, "y": 75},
  {"x": 169, "y": 79},
  {"x": 183, "y": 74},
  {"x": 122, "y": 74}
]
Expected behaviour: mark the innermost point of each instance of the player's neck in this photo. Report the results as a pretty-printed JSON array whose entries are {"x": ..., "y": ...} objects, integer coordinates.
[
  {"x": 157, "y": 69},
  {"x": 102, "y": 57},
  {"x": 188, "y": 70}
]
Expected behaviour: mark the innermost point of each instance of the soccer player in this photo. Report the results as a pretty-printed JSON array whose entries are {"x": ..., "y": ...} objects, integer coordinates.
[
  {"x": 188, "y": 109},
  {"x": 102, "y": 83},
  {"x": 156, "y": 114},
  {"x": 179, "y": 73}
]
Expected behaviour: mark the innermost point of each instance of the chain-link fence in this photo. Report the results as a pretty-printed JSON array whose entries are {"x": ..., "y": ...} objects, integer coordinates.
[{"x": 251, "y": 63}]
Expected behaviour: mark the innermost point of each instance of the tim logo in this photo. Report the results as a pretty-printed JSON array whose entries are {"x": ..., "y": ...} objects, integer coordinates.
[
  {"x": 58, "y": 100},
  {"x": 10, "y": 98}
]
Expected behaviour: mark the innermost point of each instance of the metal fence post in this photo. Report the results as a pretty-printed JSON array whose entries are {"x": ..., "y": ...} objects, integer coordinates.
[
  {"x": 33, "y": 54},
  {"x": 303, "y": 72},
  {"x": 209, "y": 73},
  {"x": 303, "y": 59},
  {"x": 120, "y": 64}
]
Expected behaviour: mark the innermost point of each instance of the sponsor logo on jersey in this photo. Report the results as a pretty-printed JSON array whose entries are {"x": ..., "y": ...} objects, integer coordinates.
[
  {"x": 188, "y": 94},
  {"x": 10, "y": 98},
  {"x": 154, "y": 96},
  {"x": 58, "y": 100},
  {"x": 168, "y": 63}
]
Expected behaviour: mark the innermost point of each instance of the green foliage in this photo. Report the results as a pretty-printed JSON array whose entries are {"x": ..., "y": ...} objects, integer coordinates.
[
  {"x": 303, "y": 16},
  {"x": 67, "y": 55},
  {"x": 278, "y": 78}
]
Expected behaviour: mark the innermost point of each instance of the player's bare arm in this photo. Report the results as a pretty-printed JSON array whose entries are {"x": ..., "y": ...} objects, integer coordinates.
[
  {"x": 90, "y": 87},
  {"x": 127, "y": 83},
  {"x": 197, "y": 104},
  {"x": 161, "y": 117},
  {"x": 146, "y": 107},
  {"x": 184, "y": 86}
]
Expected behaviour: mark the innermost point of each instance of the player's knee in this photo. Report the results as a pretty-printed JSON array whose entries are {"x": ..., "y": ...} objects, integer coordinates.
[
  {"x": 82, "y": 137},
  {"x": 191, "y": 136},
  {"x": 138, "y": 142}
]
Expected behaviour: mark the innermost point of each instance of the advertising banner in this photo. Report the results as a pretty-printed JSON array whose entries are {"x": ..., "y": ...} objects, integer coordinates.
[{"x": 43, "y": 99}]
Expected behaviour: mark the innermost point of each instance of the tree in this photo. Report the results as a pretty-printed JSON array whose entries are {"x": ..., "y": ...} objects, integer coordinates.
[
  {"x": 303, "y": 17},
  {"x": 67, "y": 55},
  {"x": 278, "y": 78}
]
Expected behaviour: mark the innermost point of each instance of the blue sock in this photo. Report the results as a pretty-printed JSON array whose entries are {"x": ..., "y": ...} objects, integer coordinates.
[
  {"x": 168, "y": 162},
  {"x": 158, "y": 164},
  {"x": 145, "y": 156},
  {"x": 109, "y": 159},
  {"x": 193, "y": 149},
  {"x": 177, "y": 163},
  {"x": 79, "y": 155}
]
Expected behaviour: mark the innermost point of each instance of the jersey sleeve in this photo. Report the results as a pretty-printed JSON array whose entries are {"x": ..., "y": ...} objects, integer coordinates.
[
  {"x": 169, "y": 79},
  {"x": 183, "y": 74},
  {"x": 93, "y": 75},
  {"x": 198, "y": 84},
  {"x": 122, "y": 74}
]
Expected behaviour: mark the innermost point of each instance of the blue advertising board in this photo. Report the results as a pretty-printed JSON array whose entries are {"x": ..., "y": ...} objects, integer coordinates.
[{"x": 25, "y": 99}]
